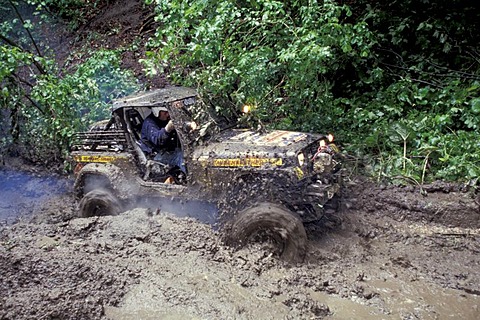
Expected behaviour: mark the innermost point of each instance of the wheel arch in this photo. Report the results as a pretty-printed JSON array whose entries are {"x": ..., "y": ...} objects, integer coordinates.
[
  {"x": 249, "y": 188},
  {"x": 97, "y": 176}
]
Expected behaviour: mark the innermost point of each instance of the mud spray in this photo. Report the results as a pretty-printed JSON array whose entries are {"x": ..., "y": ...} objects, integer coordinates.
[{"x": 204, "y": 212}]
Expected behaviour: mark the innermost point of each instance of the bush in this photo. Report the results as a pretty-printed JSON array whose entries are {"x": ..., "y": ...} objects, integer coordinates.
[{"x": 361, "y": 72}]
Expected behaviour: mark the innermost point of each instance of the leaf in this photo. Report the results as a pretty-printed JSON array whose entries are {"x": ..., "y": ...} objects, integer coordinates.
[
  {"x": 475, "y": 103},
  {"x": 398, "y": 132}
]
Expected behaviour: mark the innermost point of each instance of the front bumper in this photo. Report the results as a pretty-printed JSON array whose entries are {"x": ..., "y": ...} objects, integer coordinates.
[{"x": 312, "y": 196}]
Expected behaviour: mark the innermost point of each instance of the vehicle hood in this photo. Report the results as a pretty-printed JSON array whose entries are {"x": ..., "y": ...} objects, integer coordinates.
[{"x": 239, "y": 143}]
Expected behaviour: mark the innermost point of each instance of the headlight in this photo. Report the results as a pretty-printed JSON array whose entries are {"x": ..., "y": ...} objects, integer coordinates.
[
  {"x": 322, "y": 161},
  {"x": 301, "y": 159}
]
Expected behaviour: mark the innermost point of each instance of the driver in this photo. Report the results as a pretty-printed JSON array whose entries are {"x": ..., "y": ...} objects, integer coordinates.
[{"x": 159, "y": 139}]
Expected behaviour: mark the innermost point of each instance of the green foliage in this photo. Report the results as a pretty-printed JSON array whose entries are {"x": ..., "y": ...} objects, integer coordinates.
[
  {"x": 12, "y": 59},
  {"x": 397, "y": 82},
  {"x": 44, "y": 106},
  {"x": 46, "y": 117},
  {"x": 277, "y": 56},
  {"x": 76, "y": 12},
  {"x": 419, "y": 130},
  {"x": 73, "y": 102}
]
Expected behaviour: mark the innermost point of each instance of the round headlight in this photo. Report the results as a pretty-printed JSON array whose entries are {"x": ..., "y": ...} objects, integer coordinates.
[{"x": 322, "y": 161}]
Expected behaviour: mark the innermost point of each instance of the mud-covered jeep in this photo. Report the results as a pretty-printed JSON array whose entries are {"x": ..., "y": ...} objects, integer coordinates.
[{"x": 265, "y": 184}]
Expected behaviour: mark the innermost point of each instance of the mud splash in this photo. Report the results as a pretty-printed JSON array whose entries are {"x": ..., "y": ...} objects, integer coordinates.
[{"x": 202, "y": 211}]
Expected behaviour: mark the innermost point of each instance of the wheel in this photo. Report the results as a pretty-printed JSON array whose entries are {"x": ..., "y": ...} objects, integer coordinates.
[
  {"x": 99, "y": 202},
  {"x": 272, "y": 223}
]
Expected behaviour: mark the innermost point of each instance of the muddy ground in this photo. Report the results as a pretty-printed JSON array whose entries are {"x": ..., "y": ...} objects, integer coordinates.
[{"x": 390, "y": 253}]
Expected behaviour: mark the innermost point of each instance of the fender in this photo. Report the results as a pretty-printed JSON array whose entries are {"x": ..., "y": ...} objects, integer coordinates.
[{"x": 100, "y": 175}]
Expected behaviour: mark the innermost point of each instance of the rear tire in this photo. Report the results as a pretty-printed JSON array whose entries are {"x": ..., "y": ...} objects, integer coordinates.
[
  {"x": 278, "y": 224},
  {"x": 99, "y": 202}
]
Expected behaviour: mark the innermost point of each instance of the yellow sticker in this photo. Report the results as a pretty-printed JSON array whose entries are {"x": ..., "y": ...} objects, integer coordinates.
[
  {"x": 299, "y": 173},
  {"x": 100, "y": 159},
  {"x": 247, "y": 162}
]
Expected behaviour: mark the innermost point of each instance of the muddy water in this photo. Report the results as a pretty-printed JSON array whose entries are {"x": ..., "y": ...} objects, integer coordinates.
[
  {"x": 21, "y": 192},
  {"x": 346, "y": 277},
  {"x": 426, "y": 301},
  {"x": 376, "y": 261}
]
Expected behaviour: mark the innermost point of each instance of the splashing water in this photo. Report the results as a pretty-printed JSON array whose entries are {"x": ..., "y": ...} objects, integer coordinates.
[{"x": 202, "y": 211}]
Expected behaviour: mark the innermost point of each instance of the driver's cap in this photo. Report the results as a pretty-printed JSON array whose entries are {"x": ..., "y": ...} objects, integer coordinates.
[{"x": 156, "y": 110}]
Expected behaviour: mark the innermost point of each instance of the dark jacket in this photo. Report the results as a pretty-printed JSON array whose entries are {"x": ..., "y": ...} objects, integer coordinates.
[{"x": 154, "y": 138}]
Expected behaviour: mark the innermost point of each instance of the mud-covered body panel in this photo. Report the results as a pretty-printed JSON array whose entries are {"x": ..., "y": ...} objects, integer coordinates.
[
  {"x": 254, "y": 149},
  {"x": 240, "y": 143},
  {"x": 156, "y": 98}
]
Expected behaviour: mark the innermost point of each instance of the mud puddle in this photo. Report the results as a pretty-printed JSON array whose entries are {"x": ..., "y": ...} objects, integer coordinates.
[{"x": 22, "y": 192}]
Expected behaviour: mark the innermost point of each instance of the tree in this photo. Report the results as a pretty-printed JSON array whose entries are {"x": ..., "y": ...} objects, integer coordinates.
[{"x": 43, "y": 104}]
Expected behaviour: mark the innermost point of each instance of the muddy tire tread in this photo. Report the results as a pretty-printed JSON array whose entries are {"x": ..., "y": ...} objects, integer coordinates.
[
  {"x": 273, "y": 217},
  {"x": 99, "y": 202}
]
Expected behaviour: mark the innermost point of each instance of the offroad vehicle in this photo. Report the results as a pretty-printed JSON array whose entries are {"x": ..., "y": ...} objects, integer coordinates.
[{"x": 265, "y": 184}]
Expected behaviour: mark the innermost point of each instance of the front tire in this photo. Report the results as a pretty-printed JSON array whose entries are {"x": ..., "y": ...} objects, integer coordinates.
[
  {"x": 272, "y": 222},
  {"x": 99, "y": 202}
]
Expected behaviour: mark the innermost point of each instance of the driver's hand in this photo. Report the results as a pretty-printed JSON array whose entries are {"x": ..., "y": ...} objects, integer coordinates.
[{"x": 169, "y": 127}]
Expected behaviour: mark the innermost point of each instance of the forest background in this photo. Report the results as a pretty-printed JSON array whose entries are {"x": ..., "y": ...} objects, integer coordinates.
[{"x": 397, "y": 82}]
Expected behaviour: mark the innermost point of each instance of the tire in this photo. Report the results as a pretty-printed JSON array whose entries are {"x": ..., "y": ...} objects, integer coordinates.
[
  {"x": 280, "y": 225},
  {"x": 99, "y": 202}
]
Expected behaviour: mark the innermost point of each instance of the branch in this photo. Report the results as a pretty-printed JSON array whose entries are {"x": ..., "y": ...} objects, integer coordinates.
[
  {"x": 475, "y": 57},
  {"x": 418, "y": 80},
  {"x": 14, "y": 44},
  {"x": 396, "y": 54},
  {"x": 27, "y": 96},
  {"x": 16, "y": 76},
  {"x": 9, "y": 42},
  {"x": 26, "y": 29},
  {"x": 35, "y": 104},
  {"x": 467, "y": 75},
  {"x": 459, "y": 74},
  {"x": 426, "y": 82}
]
